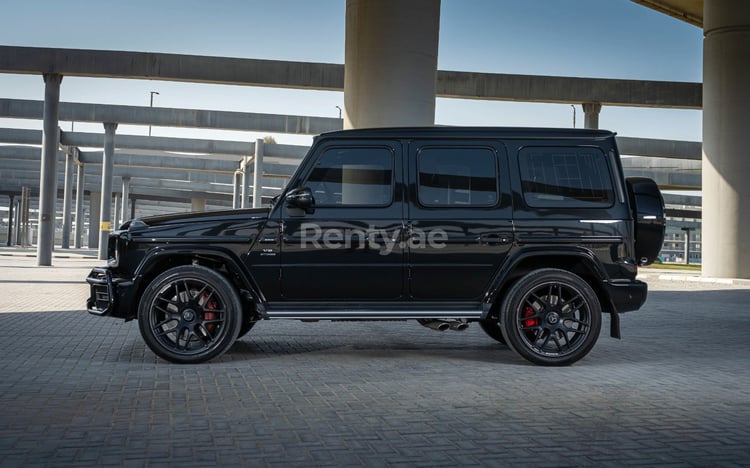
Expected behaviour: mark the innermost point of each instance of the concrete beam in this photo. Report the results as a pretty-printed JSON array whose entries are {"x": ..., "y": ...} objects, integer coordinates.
[
  {"x": 186, "y": 145},
  {"x": 662, "y": 164},
  {"x": 172, "y": 67},
  {"x": 685, "y": 200},
  {"x": 19, "y": 136},
  {"x": 180, "y": 163},
  {"x": 138, "y": 181},
  {"x": 199, "y": 148},
  {"x": 145, "y": 166},
  {"x": 166, "y": 117},
  {"x": 9, "y": 152},
  {"x": 330, "y": 77},
  {"x": 660, "y": 148},
  {"x": 567, "y": 90},
  {"x": 207, "y": 148}
]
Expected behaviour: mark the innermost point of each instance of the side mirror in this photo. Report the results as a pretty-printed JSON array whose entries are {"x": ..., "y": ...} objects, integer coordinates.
[{"x": 301, "y": 198}]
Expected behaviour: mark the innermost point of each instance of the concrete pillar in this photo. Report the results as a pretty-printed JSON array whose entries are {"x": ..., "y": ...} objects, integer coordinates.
[
  {"x": 591, "y": 114},
  {"x": 132, "y": 208},
  {"x": 390, "y": 62},
  {"x": 23, "y": 218},
  {"x": 17, "y": 227},
  {"x": 67, "y": 216},
  {"x": 108, "y": 164},
  {"x": 95, "y": 202},
  {"x": 48, "y": 173},
  {"x": 686, "y": 246},
  {"x": 125, "y": 197},
  {"x": 9, "y": 241},
  {"x": 245, "y": 184},
  {"x": 236, "y": 193},
  {"x": 198, "y": 204},
  {"x": 79, "y": 208},
  {"x": 258, "y": 175},
  {"x": 726, "y": 120},
  {"x": 116, "y": 214}
]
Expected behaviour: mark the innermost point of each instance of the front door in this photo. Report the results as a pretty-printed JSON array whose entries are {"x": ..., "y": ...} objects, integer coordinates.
[{"x": 349, "y": 247}]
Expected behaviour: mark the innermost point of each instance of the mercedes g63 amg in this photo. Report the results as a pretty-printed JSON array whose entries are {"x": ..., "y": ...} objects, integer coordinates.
[{"x": 530, "y": 233}]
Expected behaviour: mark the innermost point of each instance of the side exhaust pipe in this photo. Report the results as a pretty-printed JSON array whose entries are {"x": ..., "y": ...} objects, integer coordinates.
[
  {"x": 459, "y": 325},
  {"x": 443, "y": 325},
  {"x": 438, "y": 325}
]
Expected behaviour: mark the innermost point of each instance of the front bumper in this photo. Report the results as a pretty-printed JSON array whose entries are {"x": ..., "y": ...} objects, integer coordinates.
[{"x": 109, "y": 294}]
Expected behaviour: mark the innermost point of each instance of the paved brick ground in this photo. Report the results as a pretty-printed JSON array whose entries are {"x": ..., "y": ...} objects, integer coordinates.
[{"x": 84, "y": 390}]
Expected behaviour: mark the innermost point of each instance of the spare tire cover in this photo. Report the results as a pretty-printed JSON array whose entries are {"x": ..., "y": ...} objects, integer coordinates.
[{"x": 650, "y": 221}]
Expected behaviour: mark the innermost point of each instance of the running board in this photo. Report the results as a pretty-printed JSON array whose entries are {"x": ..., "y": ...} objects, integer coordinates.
[{"x": 373, "y": 314}]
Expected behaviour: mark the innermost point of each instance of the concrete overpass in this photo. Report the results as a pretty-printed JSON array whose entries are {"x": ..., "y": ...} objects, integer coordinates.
[
  {"x": 210, "y": 171},
  {"x": 330, "y": 77}
]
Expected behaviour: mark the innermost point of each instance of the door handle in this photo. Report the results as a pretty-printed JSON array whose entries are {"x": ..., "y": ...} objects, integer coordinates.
[{"x": 495, "y": 238}]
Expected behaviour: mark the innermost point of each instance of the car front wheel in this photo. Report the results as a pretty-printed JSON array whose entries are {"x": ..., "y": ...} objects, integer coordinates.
[
  {"x": 551, "y": 317},
  {"x": 189, "y": 314}
]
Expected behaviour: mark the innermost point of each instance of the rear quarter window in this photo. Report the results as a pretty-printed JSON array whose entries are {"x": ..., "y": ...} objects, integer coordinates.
[{"x": 565, "y": 177}]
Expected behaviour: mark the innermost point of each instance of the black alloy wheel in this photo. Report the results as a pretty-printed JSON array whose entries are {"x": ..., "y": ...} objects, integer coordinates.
[
  {"x": 189, "y": 314},
  {"x": 551, "y": 317}
]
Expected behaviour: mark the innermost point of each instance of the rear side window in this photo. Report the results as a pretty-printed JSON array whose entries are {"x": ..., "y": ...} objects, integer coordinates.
[
  {"x": 558, "y": 177},
  {"x": 457, "y": 177}
]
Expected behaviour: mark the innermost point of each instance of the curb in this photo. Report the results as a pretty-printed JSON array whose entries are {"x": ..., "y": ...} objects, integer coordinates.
[{"x": 696, "y": 279}]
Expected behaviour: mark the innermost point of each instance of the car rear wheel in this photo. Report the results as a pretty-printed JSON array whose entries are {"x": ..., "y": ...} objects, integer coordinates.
[
  {"x": 551, "y": 317},
  {"x": 189, "y": 314}
]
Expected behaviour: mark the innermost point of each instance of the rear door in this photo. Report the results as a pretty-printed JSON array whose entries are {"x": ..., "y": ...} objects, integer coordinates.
[{"x": 460, "y": 217}]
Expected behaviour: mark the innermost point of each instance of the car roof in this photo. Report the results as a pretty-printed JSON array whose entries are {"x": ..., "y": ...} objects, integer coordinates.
[{"x": 471, "y": 132}]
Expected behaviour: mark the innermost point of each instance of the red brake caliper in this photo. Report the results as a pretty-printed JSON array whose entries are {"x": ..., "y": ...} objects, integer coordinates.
[
  {"x": 528, "y": 312},
  {"x": 209, "y": 305}
]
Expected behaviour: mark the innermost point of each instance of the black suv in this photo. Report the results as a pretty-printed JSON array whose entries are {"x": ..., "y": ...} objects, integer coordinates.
[{"x": 531, "y": 233}]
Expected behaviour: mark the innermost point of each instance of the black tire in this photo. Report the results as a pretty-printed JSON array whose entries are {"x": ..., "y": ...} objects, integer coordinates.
[
  {"x": 551, "y": 317},
  {"x": 492, "y": 329},
  {"x": 189, "y": 314}
]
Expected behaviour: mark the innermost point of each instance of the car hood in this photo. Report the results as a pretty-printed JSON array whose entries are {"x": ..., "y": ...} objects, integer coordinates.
[{"x": 239, "y": 225}]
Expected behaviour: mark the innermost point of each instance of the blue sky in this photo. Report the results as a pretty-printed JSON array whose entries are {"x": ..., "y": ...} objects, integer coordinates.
[{"x": 589, "y": 38}]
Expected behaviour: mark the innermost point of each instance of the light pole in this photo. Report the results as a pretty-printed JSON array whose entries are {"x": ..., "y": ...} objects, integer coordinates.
[
  {"x": 337, "y": 107},
  {"x": 151, "y": 104},
  {"x": 574, "y": 115}
]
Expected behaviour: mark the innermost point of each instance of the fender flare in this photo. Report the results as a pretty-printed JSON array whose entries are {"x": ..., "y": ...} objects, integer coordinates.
[
  {"x": 224, "y": 255},
  {"x": 509, "y": 266}
]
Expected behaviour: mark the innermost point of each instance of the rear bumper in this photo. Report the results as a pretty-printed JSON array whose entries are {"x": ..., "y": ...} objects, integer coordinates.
[
  {"x": 627, "y": 296},
  {"x": 109, "y": 294}
]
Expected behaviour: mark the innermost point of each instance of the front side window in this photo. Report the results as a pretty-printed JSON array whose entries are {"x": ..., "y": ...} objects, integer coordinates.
[
  {"x": 559, "y": 177},
  {"x": 353, "y": 177},
  {"x": 457, "y": 177}
]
